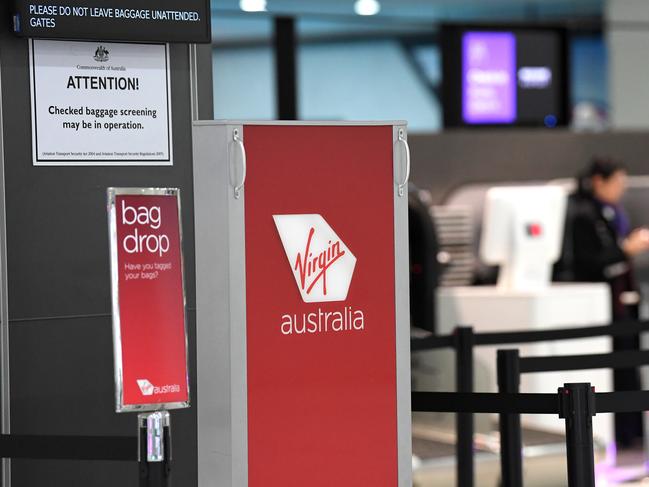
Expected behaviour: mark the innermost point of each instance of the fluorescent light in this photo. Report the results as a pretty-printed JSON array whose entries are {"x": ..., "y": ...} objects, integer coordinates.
[
  {"x": 252, "y": 5},
  {"x": 367, "y": 7}
]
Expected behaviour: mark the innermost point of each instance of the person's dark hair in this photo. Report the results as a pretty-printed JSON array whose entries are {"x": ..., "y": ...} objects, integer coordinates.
[{"x": 605, "y": 167}]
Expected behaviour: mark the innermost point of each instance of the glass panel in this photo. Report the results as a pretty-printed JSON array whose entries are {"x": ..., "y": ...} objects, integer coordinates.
[
  {"x": 368, "y": 70},
  {"x": 243, "y": 67},
  {"x": 589, "y": 80}
]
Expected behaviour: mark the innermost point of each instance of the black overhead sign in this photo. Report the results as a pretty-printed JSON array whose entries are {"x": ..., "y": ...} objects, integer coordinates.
[{"x": 117, "y": 20}]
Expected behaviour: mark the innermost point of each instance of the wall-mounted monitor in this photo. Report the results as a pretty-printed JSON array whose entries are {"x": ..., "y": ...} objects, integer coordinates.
[{"x": 504, "y": 76}]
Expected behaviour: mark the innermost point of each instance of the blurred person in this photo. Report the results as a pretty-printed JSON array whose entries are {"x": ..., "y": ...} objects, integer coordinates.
[{"x": 603, "y": 245}]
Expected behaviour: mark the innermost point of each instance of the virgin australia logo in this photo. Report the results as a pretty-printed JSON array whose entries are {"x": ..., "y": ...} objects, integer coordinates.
[
  {"x": 102, "y": 54},
  {"x": 146, "y": 388},
  {"x": 321, "y": 263}
]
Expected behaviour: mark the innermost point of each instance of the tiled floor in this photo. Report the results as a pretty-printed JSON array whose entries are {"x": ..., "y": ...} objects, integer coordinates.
[
  {"x": 549, "y": 471},
  {"x": 544, "y": 463}
]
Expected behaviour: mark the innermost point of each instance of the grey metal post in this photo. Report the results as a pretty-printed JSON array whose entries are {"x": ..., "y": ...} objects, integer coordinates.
[{"x": 154, "y": 449}]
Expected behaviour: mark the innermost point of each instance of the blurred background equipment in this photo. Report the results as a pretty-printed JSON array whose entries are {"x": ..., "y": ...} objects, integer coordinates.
[{"x": 523, "y": 233}]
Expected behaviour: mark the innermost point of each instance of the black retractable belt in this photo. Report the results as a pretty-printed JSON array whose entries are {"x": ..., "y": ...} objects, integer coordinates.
[
  {"x": 614, "y": 360},
  {"x": 484, "y": 402},
  {"x": 622, "y": 402},
  {"x": 111, "y": 448},
  {"x": 618, "y": 328}
]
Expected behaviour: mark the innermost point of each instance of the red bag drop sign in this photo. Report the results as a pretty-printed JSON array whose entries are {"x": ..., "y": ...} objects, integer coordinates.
[{"x": 149, "y": 326}]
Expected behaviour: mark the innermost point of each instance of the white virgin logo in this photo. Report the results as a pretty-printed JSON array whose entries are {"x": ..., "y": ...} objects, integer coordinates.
[
  {"x": 321, "y": 263},
  {"x": 146, "y": 388}
]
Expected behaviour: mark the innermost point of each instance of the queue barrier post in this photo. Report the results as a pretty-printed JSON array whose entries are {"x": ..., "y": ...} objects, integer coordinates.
[
  {"x": 511, "y": 447},
  {"x": 154, "y": 449},
  {"x": 464, "y": 341},
  {"x": 575, "y": 403},
  {"x": 577, "y": 407}
]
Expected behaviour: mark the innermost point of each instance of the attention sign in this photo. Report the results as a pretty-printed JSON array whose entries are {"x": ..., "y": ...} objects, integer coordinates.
[{"x": 100, "y": 104}]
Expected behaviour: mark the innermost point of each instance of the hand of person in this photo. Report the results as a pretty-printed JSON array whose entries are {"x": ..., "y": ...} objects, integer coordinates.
[{"x": 637, "y": 242}]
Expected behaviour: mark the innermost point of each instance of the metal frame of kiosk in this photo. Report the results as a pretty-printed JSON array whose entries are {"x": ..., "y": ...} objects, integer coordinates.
[{"x": 220, "y": 214}]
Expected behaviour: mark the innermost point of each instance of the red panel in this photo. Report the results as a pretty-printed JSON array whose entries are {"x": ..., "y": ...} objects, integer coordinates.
[
  {"x": 322, "y": 407},
  {"x": 152, "y": 312}
]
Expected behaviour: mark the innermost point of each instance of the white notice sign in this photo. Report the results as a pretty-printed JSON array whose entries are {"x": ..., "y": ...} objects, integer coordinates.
[{"x": 100, "y": 104}]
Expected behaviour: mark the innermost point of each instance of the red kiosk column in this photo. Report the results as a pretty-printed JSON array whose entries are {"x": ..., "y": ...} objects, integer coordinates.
[{"x": 303, "y": 326}]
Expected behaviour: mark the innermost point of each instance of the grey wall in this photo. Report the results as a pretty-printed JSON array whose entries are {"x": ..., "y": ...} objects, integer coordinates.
[
  {"x": 443, "y": 162},
  {"x": 627, "y": 29},
  {"x": 60, "y": 348}
]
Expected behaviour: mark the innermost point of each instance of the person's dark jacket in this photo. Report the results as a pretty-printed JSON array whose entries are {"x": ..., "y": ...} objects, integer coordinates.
[
  {"x": 597, "y": 256},
  {"x": 597, "y": 251},
  {"x": 592, "y": 252}
]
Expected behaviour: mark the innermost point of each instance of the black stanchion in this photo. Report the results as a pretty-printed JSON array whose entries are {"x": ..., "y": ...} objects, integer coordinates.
[
  {"x": 575, "y": 403},
  {"x": 511, "y": 447},
  {"x": 577, "y": 407},
  {"x": 155, "y": 449},
  {"x": 286, "y": 67},
  {"x": 464, "y": 341}
]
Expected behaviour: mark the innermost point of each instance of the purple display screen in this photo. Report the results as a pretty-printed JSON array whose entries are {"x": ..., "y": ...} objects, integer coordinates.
[{"x": 488, "y": 77}]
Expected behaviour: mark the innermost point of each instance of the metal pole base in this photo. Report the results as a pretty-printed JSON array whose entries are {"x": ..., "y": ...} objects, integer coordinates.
[{"x": 154, "y": 449}]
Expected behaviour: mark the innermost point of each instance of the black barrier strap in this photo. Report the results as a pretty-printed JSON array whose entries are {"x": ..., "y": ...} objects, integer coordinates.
[
  {"x": 622, "y": 402},
  {"x": 615, "y": 360},
  {"x": 69, "y": 447},
  {"x": 485, "y": 402},
  {"x": 620, "y": 328},
  {"x": 432, "y": 342}
]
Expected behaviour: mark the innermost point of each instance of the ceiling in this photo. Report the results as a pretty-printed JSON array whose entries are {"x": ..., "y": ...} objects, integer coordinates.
[
  {"x": 437, "y": 10},
  {"x": 319, "y": 18}
]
